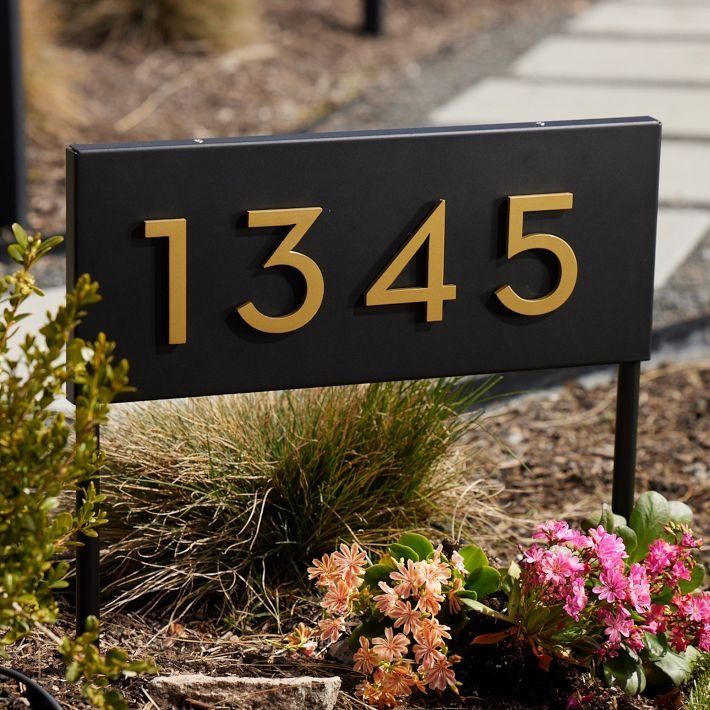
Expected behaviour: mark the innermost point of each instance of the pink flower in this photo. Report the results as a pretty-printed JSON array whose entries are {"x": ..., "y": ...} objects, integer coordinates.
[
  {"x": 331, "y": 629},
  {"x": 639, "y": 589},
  {"x": 559, "y": 564},
  {"x": 366, "y": 658},
  {"x": 576, "y": 600},
  {"x": 410, "y": 578},
  {"x": 452, "y": 596},
  {"x": 350, "y": 562},
  {"x": 553, "y": 531},
  {"x": 612, "y": 586},
  {"x": 609, "y": 549},
  {"x": 427, "y": 650},
  {"x": 405, "y": 616},
  {"x": 430, "y": 627},
  {"x": 679, "y": 571},
  {"x": 337, "y": 598},
  {"x": 435, "y": 574},
  {"x": 533, "y": 554},
  {"x": 655, "y": 619},
  {"x": 440, "y": 675},
  {"x": 429, "y": 601},
  {"x": 385, "y": 602},
  {"x": 617, "y": 626},
  {"x": 661, "y": 555},
  {"x": 324, "y": 571},
  {"x": 457, "y": 562},
  {"x": 391, "y": 647}
]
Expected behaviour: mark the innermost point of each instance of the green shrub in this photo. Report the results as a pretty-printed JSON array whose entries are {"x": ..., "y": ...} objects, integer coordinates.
[
  {"x": 229, "y": 496},
  {"x": 219, "y": 24},
  {"x": 42, "y": 457},
  {"x": 699, "y": 695}
]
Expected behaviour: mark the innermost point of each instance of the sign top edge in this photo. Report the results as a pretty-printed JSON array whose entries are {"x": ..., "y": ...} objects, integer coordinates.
[{"x": 79, "y": 149}]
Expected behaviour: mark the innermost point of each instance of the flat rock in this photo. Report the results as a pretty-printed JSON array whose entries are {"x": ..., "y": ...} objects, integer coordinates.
[{"x": 190, "y": 690}]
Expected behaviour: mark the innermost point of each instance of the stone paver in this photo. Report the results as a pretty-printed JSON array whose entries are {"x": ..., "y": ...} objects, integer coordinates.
[
  {"x": 579, "y": 57},
  {"x": 679, "y": 230},
  {"x": 684, "y": 111},
  {"x": 685, "y": 175},
  {"x": 683, "y": 20}
]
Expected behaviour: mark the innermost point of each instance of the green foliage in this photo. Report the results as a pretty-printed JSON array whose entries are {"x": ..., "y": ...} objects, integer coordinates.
[
  {"x": 239, "y": 492},
  {"x": 699, "y": 695},
  {"x": 41, "y": 456},
  {"x": 96, "y": 671},
  {"x": 220, "y": 24}
]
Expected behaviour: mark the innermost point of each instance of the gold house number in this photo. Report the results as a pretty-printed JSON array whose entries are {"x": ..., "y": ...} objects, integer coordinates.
[{"x": 431, "y": 232}]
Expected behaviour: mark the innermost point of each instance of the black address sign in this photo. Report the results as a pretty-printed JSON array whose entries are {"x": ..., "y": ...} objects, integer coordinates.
[{"x": 271, "y": 263}]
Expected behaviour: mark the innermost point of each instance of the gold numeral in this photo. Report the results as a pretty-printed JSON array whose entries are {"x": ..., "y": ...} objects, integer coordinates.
[
  {"x": 176, "y": 232},
  {"x": 518, "y": 205},
  {"x": 432, "y": 231},
  {"x": 301, "y": 220}
]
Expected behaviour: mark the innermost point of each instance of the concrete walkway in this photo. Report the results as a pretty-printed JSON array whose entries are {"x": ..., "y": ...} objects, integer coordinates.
[{"x": 621, "y": 58}]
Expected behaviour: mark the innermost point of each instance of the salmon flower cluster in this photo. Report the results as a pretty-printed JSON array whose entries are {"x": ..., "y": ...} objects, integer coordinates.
[{"x": 395, "y": 613}]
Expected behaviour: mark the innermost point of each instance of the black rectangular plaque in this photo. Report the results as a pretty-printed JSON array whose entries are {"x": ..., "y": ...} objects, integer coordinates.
[
  {"x": 375, "y": 189},
  {"x": 12, "y": 164}
]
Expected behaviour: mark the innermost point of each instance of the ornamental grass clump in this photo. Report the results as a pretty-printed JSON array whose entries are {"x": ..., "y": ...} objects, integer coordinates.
[
  {"x": 218, "y": 502},
  {"x": 400, "y": 613},
  {"x": 217, "y": 24}
]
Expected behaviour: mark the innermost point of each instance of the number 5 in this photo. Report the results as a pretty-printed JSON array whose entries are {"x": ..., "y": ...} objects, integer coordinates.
[{"x": 518, "y": 205}]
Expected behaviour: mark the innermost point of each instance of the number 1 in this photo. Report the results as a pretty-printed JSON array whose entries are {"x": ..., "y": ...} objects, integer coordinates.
[{"x": 176, "y": 232}]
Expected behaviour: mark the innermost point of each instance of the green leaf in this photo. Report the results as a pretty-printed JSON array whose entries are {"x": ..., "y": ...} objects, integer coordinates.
[
  {"x": 678, "y": 666},
  {"x": 473, "y": 557},
  {"x": 376, "y": 574},
  {"x": 400, "y": 552},
  {"x": 484, "y": 581},
  {"x": 418, "y": 543},
  {"x": 680, "y": 512},
  {"x": 628, "y": 536},
  {"x": 21, "y": 236},
  {"x": 648, "y": 518},
  {"x": 536, "y": 618},
  {"x": 607, "y": 519},
  {"x": 625, "y": 673},
  {"x": 697, "y": 577},
  {"x": 15, "y": 253},
  {"x": 653, "y": 645}
]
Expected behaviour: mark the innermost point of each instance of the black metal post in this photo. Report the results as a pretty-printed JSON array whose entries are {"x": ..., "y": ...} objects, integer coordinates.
[
  {"x": 374, "y": 17},
  {"x": 12, "y": 148},
  {"x": 88, "y": 564},
  {"x": 627, "y": 411}
]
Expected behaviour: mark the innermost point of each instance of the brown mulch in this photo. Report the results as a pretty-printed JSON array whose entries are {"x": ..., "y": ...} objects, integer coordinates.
[
  {"x": 308, "y": 59},
  {"x": 553, "y": 453},
  {"x": 561, "y": 467}
]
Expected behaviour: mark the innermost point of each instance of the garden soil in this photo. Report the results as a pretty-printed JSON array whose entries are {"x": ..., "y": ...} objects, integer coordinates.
[{"x": 552, "y": 454}]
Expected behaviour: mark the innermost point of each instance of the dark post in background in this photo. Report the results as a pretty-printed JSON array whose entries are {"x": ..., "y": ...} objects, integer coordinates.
[
  {"x": 374, "y": 17},
  {"x": 12, "y": 150}
]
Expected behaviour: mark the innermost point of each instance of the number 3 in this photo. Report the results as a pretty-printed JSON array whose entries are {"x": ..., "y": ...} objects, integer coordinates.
[
  {"x": 518, "y": 205},
  {"x": 301, "y": 220}
]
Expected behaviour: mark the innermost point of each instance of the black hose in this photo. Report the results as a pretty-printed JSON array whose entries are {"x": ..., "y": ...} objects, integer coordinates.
[{"x": 39, "y": 698}]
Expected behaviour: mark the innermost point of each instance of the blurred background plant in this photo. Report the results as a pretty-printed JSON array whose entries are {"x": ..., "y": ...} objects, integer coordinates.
[
  {"x": 52, "y": 101},
  {"x": 212, "y": 497},
  {"x": 42, "y": 457},
  {"x": 210, "y": 24}
]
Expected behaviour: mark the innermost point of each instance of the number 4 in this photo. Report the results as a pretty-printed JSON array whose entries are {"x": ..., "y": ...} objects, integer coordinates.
[{"x": 432, "y": 231}]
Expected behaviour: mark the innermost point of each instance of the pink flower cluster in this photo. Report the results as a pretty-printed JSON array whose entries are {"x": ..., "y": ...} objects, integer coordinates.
[
  {"x": 586, "y": 584},
  {"x": 412, "y": 653}
]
